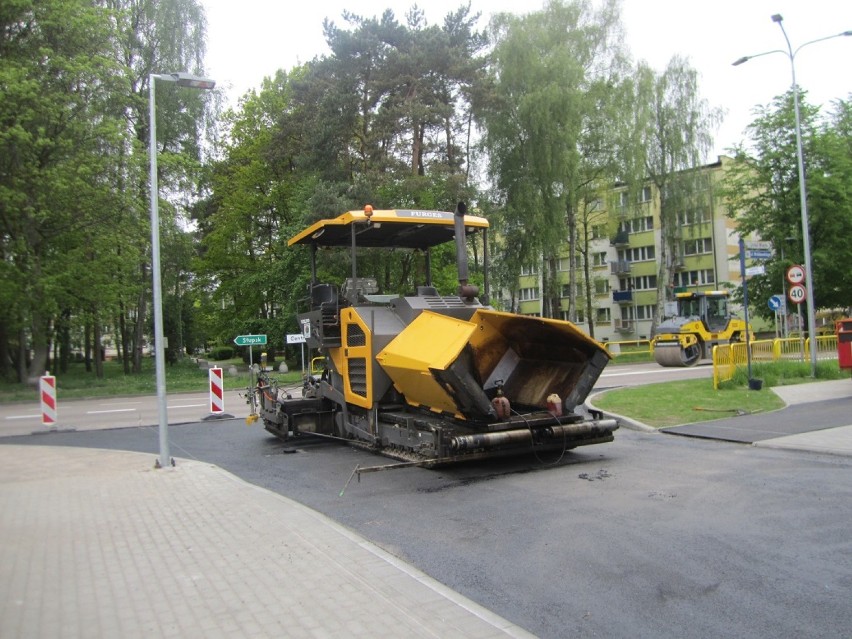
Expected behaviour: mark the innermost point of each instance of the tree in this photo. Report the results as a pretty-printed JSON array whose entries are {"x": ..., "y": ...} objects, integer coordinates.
[
  {"x": 557, "y": 84},
  {"x": 59, "y": 127},
  {"x": 763, "y": 189},
  {"x": 674, "y": 125}
]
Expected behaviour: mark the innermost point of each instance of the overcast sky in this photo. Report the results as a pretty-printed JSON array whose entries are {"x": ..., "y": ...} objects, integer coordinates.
[{"x": 250, "y": 39}]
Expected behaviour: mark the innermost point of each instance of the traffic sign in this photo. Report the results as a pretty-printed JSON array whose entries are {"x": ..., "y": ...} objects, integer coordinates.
[
  {"x": 795, "y": 275},
  {"x": 250, "y": 340},
  {"x": 295, "y": 338},
  {"x": 776, "y": 303},
  {"x": 751, "y": 271},
  {"x": 797, "y": 293}
]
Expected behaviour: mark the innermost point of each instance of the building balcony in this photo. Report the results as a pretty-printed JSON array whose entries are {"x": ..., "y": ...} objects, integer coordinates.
[
  {"x": 622, "y": 238},
  {"x": 620, "y": 267},
  {"x": 622, "y": 297}
]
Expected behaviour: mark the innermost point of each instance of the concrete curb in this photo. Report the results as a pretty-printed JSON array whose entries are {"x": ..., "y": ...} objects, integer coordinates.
[{"x": 626, "y": 422}]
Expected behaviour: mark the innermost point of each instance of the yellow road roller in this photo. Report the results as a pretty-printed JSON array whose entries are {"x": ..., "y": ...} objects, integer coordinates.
[{"x": 702, "y": 321}]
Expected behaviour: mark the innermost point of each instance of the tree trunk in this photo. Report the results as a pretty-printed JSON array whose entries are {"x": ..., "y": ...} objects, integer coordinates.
[
  {"x": 5, "y": 354},
  {"x": 141, "y": 313},
  {"x": 22, "y": 356},
  {"x": 41, "y": 346},
  {"x": 88, "y": 344},
  {"x": 98, "y": 346},
  {"x": 572, "y": 266}
]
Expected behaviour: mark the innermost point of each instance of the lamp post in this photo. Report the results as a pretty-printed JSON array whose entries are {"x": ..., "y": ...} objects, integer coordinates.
[
  {"x": 803, "y": 194},
  {"x": 194, "y": 82}
]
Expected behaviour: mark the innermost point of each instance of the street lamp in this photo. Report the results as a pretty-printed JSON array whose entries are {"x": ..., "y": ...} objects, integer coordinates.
[
  {"x": 803, "y": 195},
  {"x": 194, "y": 82}
]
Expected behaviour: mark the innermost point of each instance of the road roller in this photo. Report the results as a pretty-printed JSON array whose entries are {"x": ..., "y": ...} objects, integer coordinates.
[
  {"x": 429, "y": 377},
  {"x": 701, "y": 322}
]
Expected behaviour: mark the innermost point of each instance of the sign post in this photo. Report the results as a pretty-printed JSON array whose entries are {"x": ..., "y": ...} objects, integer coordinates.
[
  {"x": 298, "y": 338},
  {"x": 251, "y": 340}
]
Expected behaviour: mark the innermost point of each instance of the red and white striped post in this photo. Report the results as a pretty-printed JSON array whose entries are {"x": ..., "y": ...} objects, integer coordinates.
[
  {"x": 217, "y": 395},
  {"x": 47, "y": 391}
]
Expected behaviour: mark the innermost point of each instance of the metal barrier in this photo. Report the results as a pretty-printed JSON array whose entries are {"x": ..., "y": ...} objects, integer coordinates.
[
  {"x": 728, "y": 357},
  {"x": 628, "y": 347}
]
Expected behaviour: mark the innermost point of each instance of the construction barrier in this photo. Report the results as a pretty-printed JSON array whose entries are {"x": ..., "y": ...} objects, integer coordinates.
[
  {"x": 728, "y": 357},
  {"x": 47, "y": 391},
  {"x": 217, "y": 392},
  {"x": 628, "y": 347}
]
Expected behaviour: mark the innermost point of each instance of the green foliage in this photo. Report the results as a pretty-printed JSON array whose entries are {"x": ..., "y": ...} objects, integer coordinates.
[
  {"x": 219, "y": 353},
  {"x": 782, "y": 373},
  {"x": 763, "y": 188}
]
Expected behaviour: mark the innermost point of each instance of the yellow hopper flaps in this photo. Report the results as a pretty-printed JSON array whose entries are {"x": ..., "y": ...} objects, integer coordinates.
[
  {"x": 417, "y": 357},
  {"x": 456, "y": 366},
  {"x": 535, "y": 357}
]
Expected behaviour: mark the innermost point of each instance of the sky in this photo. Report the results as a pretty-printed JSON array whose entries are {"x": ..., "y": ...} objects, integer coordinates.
[{"x": 251, "y": 39}]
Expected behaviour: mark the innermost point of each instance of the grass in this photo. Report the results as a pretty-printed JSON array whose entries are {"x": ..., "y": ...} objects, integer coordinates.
[
  {"x": 684, "y": 401},
  {"x": 695, "y": 400},
  {"x": 184, "y": 376}
]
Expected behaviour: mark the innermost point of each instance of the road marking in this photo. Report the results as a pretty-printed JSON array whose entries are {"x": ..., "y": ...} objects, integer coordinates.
[
  {"x": 672, "y": 370},
  {"x": 188, "y": 406},
  {"x": 115, "y": 410},
  {"x": 21, "y": 416}
]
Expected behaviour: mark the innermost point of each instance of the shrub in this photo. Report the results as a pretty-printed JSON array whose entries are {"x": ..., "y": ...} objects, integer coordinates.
[{"x": 219, "y": 353}]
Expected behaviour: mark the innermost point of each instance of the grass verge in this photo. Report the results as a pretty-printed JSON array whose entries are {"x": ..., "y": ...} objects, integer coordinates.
[{"x": 684, "y": 401}]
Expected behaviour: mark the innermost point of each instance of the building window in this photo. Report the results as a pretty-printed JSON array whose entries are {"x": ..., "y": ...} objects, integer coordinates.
[
  {"x": 639, "y": 283},
  {"x": 645, "y": 195},
  {"x": 694, "y": 278},
  {"x": 637, "y": 224},
  {"x": 599, "y": 231},
  {"x": 602, "y": 315},
  {"x": 696, "y": 247},
  {"x": 645, "y": 312},
  {"x": 601, "y": 287},
  {"x": 599, "y": 259},
  {"x": 637, "y": 254},
  {"x": 695, "y": 216},
  {"x": 529, "y": 270},
  {"x": 527, "y": 294}
]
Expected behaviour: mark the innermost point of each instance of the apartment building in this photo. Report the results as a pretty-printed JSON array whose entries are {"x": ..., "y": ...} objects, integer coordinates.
[{"x": 625, "y": 248}]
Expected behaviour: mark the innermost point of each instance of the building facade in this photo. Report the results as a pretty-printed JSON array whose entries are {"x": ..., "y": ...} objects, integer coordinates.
[{"x": 624, "y": 253}]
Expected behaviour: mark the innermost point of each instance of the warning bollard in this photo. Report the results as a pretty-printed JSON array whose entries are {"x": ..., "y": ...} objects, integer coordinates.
[
  {"x": 47, "y": 391},
  {"x": 217, "y": 399}
]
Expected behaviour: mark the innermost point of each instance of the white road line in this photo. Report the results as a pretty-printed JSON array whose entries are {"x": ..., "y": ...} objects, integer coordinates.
[
  {"x": 673, "y": 370},
  {"x": 188, "y": 406},
  {"x": 115, "y": 410},
  {"x": 21, "y": 416}
]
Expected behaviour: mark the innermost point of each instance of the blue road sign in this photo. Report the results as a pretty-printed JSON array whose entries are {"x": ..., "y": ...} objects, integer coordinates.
[{"x": 775, "y": 302}]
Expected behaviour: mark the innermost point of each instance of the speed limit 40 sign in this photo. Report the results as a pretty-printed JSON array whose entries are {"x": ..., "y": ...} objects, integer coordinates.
[{"x": 797, "y": 293}]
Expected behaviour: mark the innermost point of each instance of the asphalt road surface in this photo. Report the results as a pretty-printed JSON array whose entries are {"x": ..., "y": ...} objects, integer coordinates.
[{"x": 652, "y": 535}]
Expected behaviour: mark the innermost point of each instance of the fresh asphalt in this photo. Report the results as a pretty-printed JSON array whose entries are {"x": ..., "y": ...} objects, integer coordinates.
[{"x": 649, "y": 536}]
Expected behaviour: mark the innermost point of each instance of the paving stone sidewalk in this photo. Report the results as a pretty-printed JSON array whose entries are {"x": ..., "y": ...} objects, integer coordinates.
[{"x": 97, "y": 543}]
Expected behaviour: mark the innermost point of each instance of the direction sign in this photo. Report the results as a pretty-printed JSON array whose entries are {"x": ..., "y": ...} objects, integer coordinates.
[
  {"x": 751, "y": 271},
  {"x": 795, "y": 275},
  {"x": 295, "y": 338},
  {"x": 776, "y": 303},
  {"x": 759, "y": 254},
  {"x": 797, "y": 293},
  {"x": 250, "y": 340}
]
